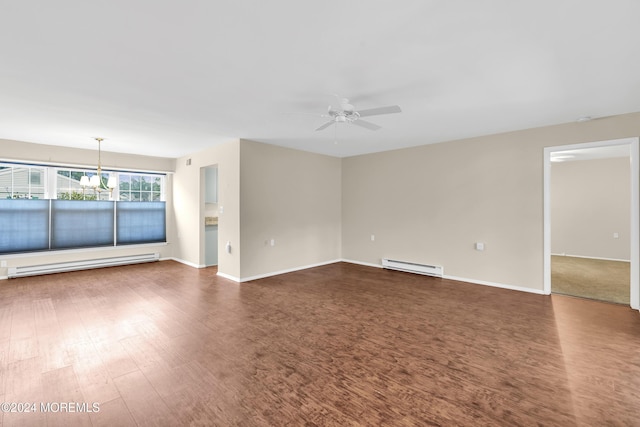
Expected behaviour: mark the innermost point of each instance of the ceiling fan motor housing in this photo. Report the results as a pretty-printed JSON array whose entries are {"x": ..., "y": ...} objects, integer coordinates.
[{"x": 347, "y": 114}]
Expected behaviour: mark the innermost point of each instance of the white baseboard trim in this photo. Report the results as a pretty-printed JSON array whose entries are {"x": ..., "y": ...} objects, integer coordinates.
[
  {"x": 366, "y": 264},
  {"x": 495, "y": 285},
  {"x": 592, "y": 257},
  {"x": 228, "y": 276},
  {"x": 181, "y": 261},
  {"x": 463, "y": 279},
  {"x": 289, "y": 270}
]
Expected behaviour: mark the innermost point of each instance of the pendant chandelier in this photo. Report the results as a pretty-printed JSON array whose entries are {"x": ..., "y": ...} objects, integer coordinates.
[{"x": 96, "y": 181}]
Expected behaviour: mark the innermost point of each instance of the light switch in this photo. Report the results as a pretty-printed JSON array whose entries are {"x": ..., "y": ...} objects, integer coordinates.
[
  {"x": 616, "y": 236},
  {"x": 479, "y": 246}
]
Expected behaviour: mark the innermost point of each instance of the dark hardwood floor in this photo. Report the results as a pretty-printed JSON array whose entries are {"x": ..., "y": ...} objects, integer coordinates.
[{"x": 339, "y": 345}]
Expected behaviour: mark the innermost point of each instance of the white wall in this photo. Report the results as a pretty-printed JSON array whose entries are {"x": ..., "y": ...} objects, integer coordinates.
[
  {"x": 431, "y": 203},
  {"x": 294, "y": 198},
  {"x": 189, "y": 207},
  {"x": 590, "y": 200},
  {"x": 265, "y": 192}
]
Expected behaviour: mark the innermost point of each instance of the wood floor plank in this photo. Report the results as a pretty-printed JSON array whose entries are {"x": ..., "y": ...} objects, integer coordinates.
[
  {"x": 337, "y": 345},
  {"x": 113, "y": 413},
  {"x": 6, "y": 313},
  {"x": 24, "y": 385},
  {"x": 4, "y": 356},
  {"x": 45, "y": 319},
  {"x": 115, "y": 358},
  {"x": 63, "y": 401},
  {"x": 24, "y": 343},
  {"x": 92, "y": 375},
  {"x": 144, "y": 403}
]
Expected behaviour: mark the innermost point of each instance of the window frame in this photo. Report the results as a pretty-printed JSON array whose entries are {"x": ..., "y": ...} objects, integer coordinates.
[
  {"x": 14, "y": 192},
  {"x": 50, "y": 174}
]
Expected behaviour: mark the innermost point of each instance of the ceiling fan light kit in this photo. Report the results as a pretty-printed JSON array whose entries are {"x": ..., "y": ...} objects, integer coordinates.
[{"x": 346, "y": 113}]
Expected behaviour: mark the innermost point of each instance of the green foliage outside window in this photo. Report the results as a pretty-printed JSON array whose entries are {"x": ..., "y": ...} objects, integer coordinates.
[{"x": 75, "y": 195}]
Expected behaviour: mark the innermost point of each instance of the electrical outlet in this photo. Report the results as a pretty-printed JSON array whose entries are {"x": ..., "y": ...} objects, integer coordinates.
[
  {"x": 373, "y": 238},
  {"x": 272, "y": 242}
]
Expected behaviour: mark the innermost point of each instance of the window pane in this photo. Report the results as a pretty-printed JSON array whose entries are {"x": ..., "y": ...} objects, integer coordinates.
[
  {"x": 140, "y": 222},
  {"x": 24, "y": 225},
  {"x": 21, "y": 183},
  {"x": 124, "y": 181},
  {"x": 36, "y": 177},
  {"x": 80, "y": 223},
  {"x": 145, "y": 184},
  {"x": 68, "y": 186},
  {"x": 6, "y": 182},
  {"x": 140, "y": 187}
]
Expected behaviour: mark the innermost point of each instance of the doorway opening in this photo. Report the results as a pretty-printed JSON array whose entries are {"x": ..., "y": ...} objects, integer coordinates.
[
  {"x": 591, "y": 222},
  {"x": 211, "y": 215}
]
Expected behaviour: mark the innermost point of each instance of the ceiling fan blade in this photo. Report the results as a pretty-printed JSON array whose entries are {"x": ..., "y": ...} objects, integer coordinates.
[
  {"x": 380, "y": 110},
  {"x": 326, "y": 125},
  {"x": 365, "y": 124}
]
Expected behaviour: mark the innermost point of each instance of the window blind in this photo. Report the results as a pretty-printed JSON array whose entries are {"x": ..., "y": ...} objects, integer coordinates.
[
  {"x": 140, "y": 222},
  {"x": 24, "y": 225},
  {"x": 81, "y": 223}
]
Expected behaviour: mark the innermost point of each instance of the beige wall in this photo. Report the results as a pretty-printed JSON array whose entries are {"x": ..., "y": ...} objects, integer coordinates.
[
  {"x": 28, "y": 152},
  {"x": 590, "y": 200},
  {"x": 51, "y": 154},
  {"x": 293, "y": 197},
  {"x": 189, "y": 207},
  {"x": 431, "y": 203}
]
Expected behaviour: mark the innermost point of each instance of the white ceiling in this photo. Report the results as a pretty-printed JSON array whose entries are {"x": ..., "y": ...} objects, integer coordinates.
[{"x": 170, "y": 78}]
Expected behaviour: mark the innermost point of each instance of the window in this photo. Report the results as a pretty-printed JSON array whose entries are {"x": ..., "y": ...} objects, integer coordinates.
[
  {"x": 140, "y": 188},
  {"x": 22, "y": 182},
  {"x": 132, "y": 212},
  {"x": 68, "y": 185}
]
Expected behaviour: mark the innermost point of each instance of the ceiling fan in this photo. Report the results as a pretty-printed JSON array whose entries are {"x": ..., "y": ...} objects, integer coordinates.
[{"x": 348, "y": 114}]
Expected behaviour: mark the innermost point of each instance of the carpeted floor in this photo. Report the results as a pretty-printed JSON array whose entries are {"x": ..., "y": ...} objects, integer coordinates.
[{"x": 590, "y": 278}]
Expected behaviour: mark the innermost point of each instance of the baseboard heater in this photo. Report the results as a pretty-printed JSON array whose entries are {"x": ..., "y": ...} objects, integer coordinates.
[
  {"x": 412, "y": 267},
  {"x": 59, "y": 267}
]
